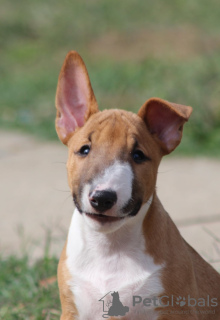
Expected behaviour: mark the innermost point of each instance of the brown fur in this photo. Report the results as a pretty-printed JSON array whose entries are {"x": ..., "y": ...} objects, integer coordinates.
[
  {"x": 115, "y": 132},
  {"x": 113, "y": 135},
  {"x": 69, "y": 311},
  {"x": 190, "y": 273}
]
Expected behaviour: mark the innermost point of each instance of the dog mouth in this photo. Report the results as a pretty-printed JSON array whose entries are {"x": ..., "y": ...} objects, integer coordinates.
[
  {"x": 103, "y": 218},
  {"x": 129, "y": 210}
]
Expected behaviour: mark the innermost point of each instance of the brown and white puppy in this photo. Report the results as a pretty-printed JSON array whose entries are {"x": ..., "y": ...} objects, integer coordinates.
[{"x": 121, "y": 239}]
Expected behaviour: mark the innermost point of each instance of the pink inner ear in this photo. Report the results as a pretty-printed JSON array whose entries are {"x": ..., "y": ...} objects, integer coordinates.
[
  {"x": 166, "y": 124},
  {"x": 73, "y": 100}
]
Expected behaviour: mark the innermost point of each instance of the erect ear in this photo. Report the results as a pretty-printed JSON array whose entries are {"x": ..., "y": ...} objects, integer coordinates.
[
  {"x": 165, "y": 121},
  {"x": 75, "y": 100}
]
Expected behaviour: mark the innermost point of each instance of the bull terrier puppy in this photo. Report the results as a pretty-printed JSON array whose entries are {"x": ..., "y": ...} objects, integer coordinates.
[{"x": 121, "y": 239}]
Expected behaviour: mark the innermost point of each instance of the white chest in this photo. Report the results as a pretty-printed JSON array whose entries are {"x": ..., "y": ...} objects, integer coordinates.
[{"x": 101, "y": 264}]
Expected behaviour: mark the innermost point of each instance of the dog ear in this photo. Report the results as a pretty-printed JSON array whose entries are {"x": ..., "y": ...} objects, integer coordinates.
[
  {"x": 165, "y": 121},
  {"x": 75, "y": 100}
]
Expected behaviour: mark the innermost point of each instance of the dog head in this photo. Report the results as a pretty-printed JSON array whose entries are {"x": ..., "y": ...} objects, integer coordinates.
[{"x": 113, "y": 154}]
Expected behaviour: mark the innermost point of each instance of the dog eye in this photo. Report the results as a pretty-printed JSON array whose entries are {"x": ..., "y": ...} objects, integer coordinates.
[
  {"x": 139, "y": 157},
  {"x": 84, "y": 150}
]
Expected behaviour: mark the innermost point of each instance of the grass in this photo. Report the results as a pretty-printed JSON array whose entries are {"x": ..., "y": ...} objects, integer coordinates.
[
  {"x": 133, "y": 51},
  {"x": 28, "y": 291}
]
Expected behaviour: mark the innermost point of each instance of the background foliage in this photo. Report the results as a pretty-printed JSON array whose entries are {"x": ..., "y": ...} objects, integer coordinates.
[
  {"x": 29, "y": 292},
  {"x": 133, "y": 50}
]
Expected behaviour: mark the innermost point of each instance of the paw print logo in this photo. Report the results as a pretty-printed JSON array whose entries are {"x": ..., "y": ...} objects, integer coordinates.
[{"x": 181, "y": 301}]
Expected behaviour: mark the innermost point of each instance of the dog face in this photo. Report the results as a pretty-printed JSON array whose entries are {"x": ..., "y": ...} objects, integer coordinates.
[
  {"x": 112, "y": 165},
  {"x": 114, "y": 154}
]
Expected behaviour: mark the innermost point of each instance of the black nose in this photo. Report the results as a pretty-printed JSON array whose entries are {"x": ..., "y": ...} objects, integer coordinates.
[{"x": 102, "y": 200}]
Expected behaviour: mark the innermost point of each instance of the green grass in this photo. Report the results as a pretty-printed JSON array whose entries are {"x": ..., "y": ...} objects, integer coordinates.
[
  {"x": 133, "y": 50},
  {"x": 23, "y": 293}
]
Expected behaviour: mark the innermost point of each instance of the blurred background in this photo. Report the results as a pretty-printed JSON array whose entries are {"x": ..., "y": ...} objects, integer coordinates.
[{"x": 133, "y": 50}]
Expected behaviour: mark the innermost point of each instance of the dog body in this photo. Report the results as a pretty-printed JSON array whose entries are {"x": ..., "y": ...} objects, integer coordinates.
[
  {"x": 92, "y": 281},
  {"x": 121, "y": 238}
]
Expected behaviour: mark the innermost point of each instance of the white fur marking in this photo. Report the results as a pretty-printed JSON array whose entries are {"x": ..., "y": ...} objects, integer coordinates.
[
  {"x": 117, "y": 177},
  {"x": 116, "y": 261}
]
